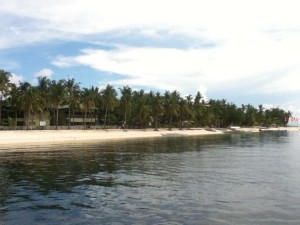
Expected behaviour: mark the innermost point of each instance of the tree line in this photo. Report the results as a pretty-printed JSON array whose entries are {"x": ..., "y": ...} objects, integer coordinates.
[{"x": 124, "y": 107}]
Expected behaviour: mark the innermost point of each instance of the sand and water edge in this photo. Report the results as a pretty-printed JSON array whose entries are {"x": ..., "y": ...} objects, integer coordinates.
[{"x": 12, "y": 139}]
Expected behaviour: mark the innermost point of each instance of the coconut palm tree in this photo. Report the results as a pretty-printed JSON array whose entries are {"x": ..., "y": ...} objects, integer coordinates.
[
  {"x": 126, "y": 102},
  {"x": 157, "y": 107},
  {"x": 88, "y": 101},
  {"x": 95, "y": 92},
  {"x": 14, "y": 101},
  {"x": 171, "y": 105},
  {"x": 184, "y": 111},
  {"x": 57, "y": 94},
  {"x": 72, "y": 95},
  {"x": 29, "y": 100},
  {"x": 144, "y": 112},
  {"x": 191, "y": 114},
  {"x": 109, "y": 100},
  {"x": 4, "y": 88},
  {"x": 198, "y": 107},
  {"x": 43, "y": 84},
  {"x": 142, "y": 107},
  {"x": 43, "y": 87}
]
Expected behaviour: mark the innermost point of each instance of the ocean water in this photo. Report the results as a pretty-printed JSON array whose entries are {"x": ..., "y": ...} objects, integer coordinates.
[{"x": 222, "y": 179}]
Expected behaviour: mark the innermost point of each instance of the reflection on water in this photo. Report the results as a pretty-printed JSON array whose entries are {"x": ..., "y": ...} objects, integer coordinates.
[{"x": 226, "y": 179}]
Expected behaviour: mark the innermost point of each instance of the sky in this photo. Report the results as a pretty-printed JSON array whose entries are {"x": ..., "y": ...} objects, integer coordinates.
[{"x": 244, "y": 51}]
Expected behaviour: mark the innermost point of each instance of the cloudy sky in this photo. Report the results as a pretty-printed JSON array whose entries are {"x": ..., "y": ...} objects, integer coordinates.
[{"x": 242, "y": 51}]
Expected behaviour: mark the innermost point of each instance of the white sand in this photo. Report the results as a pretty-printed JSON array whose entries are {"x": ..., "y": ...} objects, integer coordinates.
[
  {"x": 39, "y": 137},
  {"x": 54, "y": 136}
]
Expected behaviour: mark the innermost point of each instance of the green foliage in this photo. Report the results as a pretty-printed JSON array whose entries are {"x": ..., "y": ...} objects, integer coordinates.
[
  {"x": 136, "y": 108},
  {"x": 4, "y": 88},
  {"x": 109, "y": 100},
  {"x": 12, "y": 122}
]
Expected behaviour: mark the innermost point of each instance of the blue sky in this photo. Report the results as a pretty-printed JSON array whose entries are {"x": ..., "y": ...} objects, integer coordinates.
[{"x": 242, "y": 51}]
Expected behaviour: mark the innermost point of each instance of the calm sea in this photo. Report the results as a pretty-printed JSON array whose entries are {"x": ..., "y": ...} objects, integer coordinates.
[{"x": 223, "y": 179}]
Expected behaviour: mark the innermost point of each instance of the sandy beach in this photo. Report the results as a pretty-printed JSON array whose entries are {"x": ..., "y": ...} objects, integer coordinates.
[{"x": 41, "y": 137}]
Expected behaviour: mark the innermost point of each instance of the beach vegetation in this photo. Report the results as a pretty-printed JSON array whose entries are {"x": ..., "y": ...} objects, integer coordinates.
[
  {"x": 109, "y": 100},
  {"x": 57, "y": 96},
  {"x": 4, "y": 88},
  {"x": 72, "y": 97},
  {"x": 65, "y": 104}
]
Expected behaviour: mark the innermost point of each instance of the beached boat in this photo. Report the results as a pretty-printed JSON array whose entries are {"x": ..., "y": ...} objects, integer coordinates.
[
  {"x": 210, "y": 129},
  {"x": 273, "y": 131}
]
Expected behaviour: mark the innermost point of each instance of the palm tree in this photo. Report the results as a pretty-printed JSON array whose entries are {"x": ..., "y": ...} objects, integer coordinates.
[
  {"x": 57, "y": 94},
  {"x": 260, "y": 115},
  {"x": 157, "y": 107},
  {"x": 4, "y": 88},
  {"x": 14, "y": 101},
  {"x": 126, "y": 102},
  {"x": 144, "y": 112},
  {"x": 198, "y": 108},
  {"x": 43, "y": 84},
  {"x": 72, "y": 95},
  {"x": 88, "y": 101},
  {"x": 43, "y": 88},
  {"x": 109, "y": 100},
  {"x": 142, "y": 107},
  {"x": 29, "y": 99},
  {"x": 191, "y": 114},
  {"x": 95, "y": 92},
  {"x": 184, "y": 111},
  {"x": 172, "y": 105}
]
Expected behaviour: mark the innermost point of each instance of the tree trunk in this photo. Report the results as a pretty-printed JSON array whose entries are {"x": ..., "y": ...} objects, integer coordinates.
[
  {"x": 105, "y": 117},
  {"x": 69, "y": 121},
  {"x": 84, "y": 120},
  {"x": 56, "y": 127},
  {"x": 125, "y": 118},
  {"x": 27, "y": 119},
  {"x": 73, "y": 116},
  {"x": 180, "y": 122},
  {"x": 94, "y": 115},
  {"x": 1, "y": 110},
  {"x": 16, "y": 116},
  {"x": 156, "y": 118},
  {"x": 170, "y": 122},
  {"x": 91, "y": 119}
]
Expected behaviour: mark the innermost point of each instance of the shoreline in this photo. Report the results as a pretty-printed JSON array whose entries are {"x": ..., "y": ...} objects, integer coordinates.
[{"x": 44, "y": 137}]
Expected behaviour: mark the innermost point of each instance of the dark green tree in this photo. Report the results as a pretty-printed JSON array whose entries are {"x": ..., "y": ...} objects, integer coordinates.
[
  {"x": 57, "y": 96},
  {"x": 109, "y": 100},
  {"x": 43, "y": 88},
  {"x": 171, "y": 105},
  {"x": 72, "y": 96},
  {"x": 4, "y": 88},
  {"x": 29, "y": 101},
  {"x": 126, "y": 102},
  {"x": 88, "y": 101},
  {"x": 157, "y": 107},
  {"x": 14, "y": 101}
]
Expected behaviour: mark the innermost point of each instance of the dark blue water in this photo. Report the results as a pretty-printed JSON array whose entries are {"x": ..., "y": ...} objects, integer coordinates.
[{"x": 225, "y": 179}]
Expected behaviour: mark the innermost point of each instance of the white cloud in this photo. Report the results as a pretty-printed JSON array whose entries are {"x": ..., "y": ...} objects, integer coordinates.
[
  {"x": 217, "y": 19},
  {"x": 16, "y": 79},
  {"x": 63, "y": 61},
  {"x": 292, "y": 106},
  {"x": 229, "y": 65},
  {"x": 257, "y": 42},
  {"x": 268, "y": 106},
  {"x": 44, "y": 73},
  {"x": 155, "y": 67}
]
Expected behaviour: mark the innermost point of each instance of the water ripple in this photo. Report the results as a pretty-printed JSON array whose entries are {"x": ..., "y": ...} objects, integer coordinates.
[{"x": 238, "y": 179}]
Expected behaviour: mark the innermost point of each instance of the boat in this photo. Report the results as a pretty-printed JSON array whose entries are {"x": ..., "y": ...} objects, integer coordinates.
[{"x": 273, "y": 131}]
